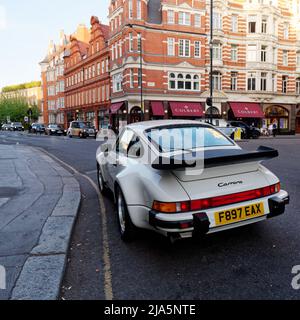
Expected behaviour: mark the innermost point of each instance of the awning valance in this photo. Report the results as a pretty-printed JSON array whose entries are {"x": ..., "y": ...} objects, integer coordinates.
[
  {"x": 246, "y": 110},
  {"x": 187, "y": 109},
  {"x": 115, "y": 107},
  {"x": 158, "y": 108}
]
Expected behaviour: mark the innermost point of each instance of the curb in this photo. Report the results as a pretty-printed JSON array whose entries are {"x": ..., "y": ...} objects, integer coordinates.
[{"x": 42, "y": 274}]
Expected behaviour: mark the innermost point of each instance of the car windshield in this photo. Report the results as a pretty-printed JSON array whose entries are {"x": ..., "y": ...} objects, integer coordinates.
[
  {"x": 186, "y": 138},
  {"x": 85, "y": 125}
]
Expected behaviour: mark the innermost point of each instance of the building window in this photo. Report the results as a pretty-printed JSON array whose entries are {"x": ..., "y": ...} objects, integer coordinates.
[
  {"x": 285, "y": 58},
  {"x": 130, "y": 9},
  {"x": 274, "y": 83},
  {"x": 263, "y": 54},
  {"x": 139, "y": 42},
  {"x": 298, "y": 86},
  {"x": 171, "y": 47},
  {"x": 197, "y": 20},
  {"x": 251, "y": 82},
  {"x": 197, "y": 49},
  {"x": 264, "y": 25},
  {"x": 217, "y": 21},
  {"x": 234, "y": 79},
  {"x": 140, "y": 78},
  {"x": 184, "y": 82},
  {"x": 217, "y": 51},
  {"x": 98, "y": 69},
  {"x": 184, "y": 48},
  {"x": 130, "y": 42},
  {"x": 252, "y": 24},
  {"x": 234, "y": 23},
  {"x": 117, "y": 82},
  {"x": 286, "y": 28},
  {"x": 217, "y": 81},
  {"x": 263, "y": 81},
  {"x": 184, "y": 18},
  {"x": 284, "y": 84},
  {"x": 120, "y": 49},
  {"x": 251, "y": 53},
  {"x": 234, "y": 52},
  {"x": 131, "y": 78},
  {"x": 139, "y": 9},
  {"x": 171, "y": 17}
]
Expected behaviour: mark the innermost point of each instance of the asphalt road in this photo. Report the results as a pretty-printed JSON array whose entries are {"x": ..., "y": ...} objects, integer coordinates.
[{"x": 253, "y": 262}]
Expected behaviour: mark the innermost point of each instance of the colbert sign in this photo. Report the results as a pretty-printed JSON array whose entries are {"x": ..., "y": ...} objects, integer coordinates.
[
  {"x": 246, "y": 110},
  {"x": 187, "y": 109}
]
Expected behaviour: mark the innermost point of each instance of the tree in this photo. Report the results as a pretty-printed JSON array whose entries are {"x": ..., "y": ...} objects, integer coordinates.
[{"x": 16, "y": 110}]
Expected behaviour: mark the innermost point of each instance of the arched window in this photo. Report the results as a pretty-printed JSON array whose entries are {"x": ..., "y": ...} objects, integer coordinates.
[{"x": 184, "y": 82}]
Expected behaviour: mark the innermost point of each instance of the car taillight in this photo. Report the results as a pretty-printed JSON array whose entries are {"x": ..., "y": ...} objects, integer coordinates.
[{"x": 215, "y": 202}]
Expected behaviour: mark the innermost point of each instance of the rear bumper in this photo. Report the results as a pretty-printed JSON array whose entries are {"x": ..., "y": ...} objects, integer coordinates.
[{"x": 199, "y": 224}]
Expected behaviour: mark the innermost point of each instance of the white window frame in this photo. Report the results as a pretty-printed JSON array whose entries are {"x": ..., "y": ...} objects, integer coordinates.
[{"x": 171, "y": 47}]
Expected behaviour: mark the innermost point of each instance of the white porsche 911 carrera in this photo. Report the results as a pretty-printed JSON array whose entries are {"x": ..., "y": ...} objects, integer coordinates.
[{"x": 185, "y": 179}]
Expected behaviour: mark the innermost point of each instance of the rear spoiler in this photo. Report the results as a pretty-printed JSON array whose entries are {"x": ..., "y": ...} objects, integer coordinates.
[{"x": 214, "y": 158}]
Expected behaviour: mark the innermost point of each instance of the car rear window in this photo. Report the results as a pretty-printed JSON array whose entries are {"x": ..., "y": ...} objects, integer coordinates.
[{"x": 169, "y": 139}]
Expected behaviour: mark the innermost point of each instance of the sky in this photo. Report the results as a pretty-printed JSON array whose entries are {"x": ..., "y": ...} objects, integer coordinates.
[{"x": 26, "y": 28}]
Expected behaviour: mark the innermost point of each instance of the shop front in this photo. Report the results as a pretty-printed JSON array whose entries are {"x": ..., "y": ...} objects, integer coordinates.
[
  {"x": 278, "y": 115},
  {"x": 136, "y": 115},
  {"x": 248, "y": 112},
  {"x": 186, "y": 110},
  {"x": 118, "y": 115}
]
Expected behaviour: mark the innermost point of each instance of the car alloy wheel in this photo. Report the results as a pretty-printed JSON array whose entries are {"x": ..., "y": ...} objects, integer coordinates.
[
  {"x": 126, "y": 227},
  {"x": 101, "y": 183}
]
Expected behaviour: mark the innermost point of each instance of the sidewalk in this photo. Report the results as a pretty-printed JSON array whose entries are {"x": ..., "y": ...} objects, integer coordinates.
[{"x": 39, "y": 201}]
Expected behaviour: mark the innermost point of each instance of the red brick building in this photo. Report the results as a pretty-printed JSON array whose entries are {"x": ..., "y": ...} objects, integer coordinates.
[
  {"x": 53, "y": 79},
  {"x": 87, "y": 80},
  {"x": 164, "y": 44}
]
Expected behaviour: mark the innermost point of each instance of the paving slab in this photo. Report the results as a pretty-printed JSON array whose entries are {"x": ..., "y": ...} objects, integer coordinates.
[{"x": 39, "y": 202}]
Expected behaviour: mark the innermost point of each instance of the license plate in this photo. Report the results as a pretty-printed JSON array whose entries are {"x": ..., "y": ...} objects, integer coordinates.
[{"x": 239, "y": 214}]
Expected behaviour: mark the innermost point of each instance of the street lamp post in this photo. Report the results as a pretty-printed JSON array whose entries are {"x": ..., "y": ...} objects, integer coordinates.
[{"x": 141, "y": 74}]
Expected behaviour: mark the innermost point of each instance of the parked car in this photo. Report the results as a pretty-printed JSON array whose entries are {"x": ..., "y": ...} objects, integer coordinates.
[
  {"x": 38, "y": 128},
  {"x": 82, "y": 130},
  {"x": 199, "y": 181},
  {"x": 54, "y": 129},
  {"x": 16, "y": 126},
  {"x": 222, "y": 125},
  {"x": 6, "y": 127},
  {"x": 248, "y": 132}
]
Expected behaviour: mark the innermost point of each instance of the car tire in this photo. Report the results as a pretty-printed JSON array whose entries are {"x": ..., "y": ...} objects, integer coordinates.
[
  {"x": 101, "y": 183},
  {"x": 126, "y": 227}
]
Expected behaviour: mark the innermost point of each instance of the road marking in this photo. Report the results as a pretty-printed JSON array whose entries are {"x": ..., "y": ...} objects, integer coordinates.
[
  {"x": 108, "y": 290},
  {"x": 91, "y": 172}
]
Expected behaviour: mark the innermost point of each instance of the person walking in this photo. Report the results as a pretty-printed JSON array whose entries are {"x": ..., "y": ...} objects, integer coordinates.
[{"x": 274, "y": 129}]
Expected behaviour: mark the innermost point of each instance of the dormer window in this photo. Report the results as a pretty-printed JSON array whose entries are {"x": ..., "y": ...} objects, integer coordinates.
[{"x": 184, "y": 18}]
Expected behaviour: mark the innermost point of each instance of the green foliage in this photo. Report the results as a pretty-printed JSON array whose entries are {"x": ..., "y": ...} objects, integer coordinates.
[
  {"x": 16, "y": 109},
  {"x": 22, "y": 86}
]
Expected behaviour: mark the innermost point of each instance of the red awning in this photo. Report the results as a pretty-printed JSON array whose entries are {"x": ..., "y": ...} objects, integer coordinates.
[
  {"x": 158, "y": 108},
  {"x": 246, "y": 110},
  {"x": 187, "y": 109},
  {"x": 116, "y": 107}
]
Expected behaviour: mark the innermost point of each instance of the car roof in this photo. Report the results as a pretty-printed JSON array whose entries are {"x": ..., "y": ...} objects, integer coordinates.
[{"x": 146, "y": 125}]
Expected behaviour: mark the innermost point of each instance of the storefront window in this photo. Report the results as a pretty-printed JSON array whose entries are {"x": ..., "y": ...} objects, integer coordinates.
[
  {"x": 278, "y": 115},
  {"x": 103, "y": 120}
]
